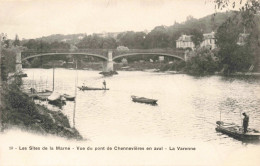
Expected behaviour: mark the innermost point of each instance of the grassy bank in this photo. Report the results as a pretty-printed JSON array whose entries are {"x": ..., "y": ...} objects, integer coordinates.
[{"x": 18, "y": 110}]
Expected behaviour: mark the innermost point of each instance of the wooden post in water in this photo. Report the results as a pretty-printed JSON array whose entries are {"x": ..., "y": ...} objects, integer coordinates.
[
  {"x": 53, "y": 72},
  {"x": 241, "y": 118},
  {"x": 76, "y": 84},
  {"x": 220, "y": 115}
]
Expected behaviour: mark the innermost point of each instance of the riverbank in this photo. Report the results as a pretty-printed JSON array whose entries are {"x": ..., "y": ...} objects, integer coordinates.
[
  {"x": 19, "y": 111},
  {"x": 158, "y": 66}
]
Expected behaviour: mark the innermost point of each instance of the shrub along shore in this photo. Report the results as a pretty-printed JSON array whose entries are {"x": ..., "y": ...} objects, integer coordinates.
[{"x": 18, "y": 110}]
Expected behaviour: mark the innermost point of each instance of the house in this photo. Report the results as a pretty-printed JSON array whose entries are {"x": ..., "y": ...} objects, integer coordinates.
[
  {"x": 122, "y": 48},
  {"x": 185, "y": 41},
  {"x": 161, "y": 58},
  {"x": 209, "y": 40}
]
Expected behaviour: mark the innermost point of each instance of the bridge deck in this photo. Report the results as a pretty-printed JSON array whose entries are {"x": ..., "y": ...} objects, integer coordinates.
[{"x": 102, "y": 53}]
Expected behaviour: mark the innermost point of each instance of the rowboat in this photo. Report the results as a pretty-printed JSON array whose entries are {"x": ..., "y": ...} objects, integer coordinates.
[
  {"x": 236, "y": 131},
  {"x": 143, "y": 100},
  {"x": 90, "y": 88},
  {"x": 69, "y": 97},
  {"x": 110, "y": 73},
  {"x": 56, "y": 99},
  {"x": 43, "y": 95}
]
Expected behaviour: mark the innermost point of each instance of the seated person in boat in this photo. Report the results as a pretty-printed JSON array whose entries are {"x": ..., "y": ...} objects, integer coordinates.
[
  {"x": 83, "y": 86},
  {"x": 245, "y": 122}
]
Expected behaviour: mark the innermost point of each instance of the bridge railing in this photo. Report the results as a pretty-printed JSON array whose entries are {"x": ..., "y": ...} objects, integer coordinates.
[
  {"x": 31, "y": 52},
  {"x": 153, "y": 51},
  {"x": 104, "y": 52}
]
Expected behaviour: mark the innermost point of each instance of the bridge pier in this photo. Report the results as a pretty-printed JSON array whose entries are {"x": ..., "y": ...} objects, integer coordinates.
[
  {"x": 109, "y": 65},
  {"x": 18, "y": 62}
]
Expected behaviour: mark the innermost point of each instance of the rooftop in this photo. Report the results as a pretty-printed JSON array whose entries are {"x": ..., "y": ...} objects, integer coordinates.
[
  {"x": 185, "y": 38},
  {"x": 209, "y": 35}
]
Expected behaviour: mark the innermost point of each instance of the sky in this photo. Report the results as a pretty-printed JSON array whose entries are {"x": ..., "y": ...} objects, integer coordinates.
[{"x": 37, "y": 18}]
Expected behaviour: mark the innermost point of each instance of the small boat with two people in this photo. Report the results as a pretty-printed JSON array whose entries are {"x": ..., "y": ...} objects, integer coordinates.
[
  {"x": 144, "y": 100},
  {"x": 91, "y": 88},
  {"x": 83, "y": 87},
  {"x": 237, "y": 131}
]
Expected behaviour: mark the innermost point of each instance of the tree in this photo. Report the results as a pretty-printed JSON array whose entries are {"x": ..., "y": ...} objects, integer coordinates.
[
  {"x": 232, "y": 56},
  {"x": 254, "y": 43},
  {"x": 127, "y": 39},
  {"x": 3, "y": 73},
  {"x": 202, "y": 63},
  {"x": 139, "y": 39},
  {"x": 197, "y": 36},
  {"x": 91, "y": 41},
  {"x": 190, "y": 18},
  {"x": 248, "y": 11},
  {"x": 109, "y": 43},
  {"x": 16, "y": 41},
  {"x": 37, "y": 45},
  {"x": 7, "y": 58},
  {"x": 157, "y": 38},
  {"x": 59, "y": 45}
]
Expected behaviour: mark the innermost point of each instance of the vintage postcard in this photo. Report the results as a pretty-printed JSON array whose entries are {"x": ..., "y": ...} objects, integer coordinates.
[{"x": 130, "y": 82}]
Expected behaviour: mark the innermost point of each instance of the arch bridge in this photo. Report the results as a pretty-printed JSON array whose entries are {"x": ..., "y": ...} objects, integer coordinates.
[{"x": 108, "y": 56}]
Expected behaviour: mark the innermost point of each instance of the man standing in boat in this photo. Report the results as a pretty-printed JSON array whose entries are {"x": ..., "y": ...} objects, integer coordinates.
[
  {"x": 105, "y": 84},
  {"x": 245, "y": 122}
]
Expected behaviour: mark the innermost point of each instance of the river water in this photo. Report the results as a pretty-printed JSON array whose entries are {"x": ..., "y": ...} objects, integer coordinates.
[{"x": 188, "y": 106}]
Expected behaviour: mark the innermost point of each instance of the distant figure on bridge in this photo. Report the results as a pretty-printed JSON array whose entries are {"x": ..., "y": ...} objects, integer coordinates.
[
  {"x": 245, "y": 122},
  {"x": 105, "y": 84}
]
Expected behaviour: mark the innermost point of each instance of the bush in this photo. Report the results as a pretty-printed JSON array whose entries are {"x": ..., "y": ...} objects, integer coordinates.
[
  {"x": 17, "y": 109},
  {"x": 202, "y": 63}
]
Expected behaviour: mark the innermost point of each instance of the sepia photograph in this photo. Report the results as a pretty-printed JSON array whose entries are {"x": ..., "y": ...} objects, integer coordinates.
[{"x": 129, "y": 82}]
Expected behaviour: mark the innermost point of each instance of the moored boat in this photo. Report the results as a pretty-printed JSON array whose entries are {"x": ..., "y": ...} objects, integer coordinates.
[
  {"x": 69, "y": 97},
  {"x": 43, "y": 95},
  {"x": 56, "y": 99},
  {"x": 236, "y": 131},
  {"x": 143, "y": 100},
  {"x": 110, "y": 73}
]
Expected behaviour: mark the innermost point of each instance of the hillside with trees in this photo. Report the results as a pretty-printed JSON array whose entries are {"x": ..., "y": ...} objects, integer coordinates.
[
  {"x": 159, "y": 37},
  {"x": 227, "y": 27}
]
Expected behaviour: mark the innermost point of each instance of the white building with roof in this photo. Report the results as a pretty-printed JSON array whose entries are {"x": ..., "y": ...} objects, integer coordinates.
[
  {"x": 209, "y": 40},
  {"x": 185, "y": 41}
]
